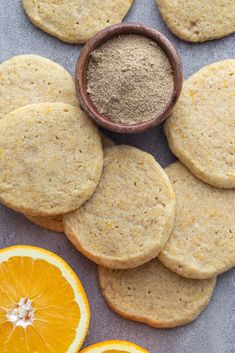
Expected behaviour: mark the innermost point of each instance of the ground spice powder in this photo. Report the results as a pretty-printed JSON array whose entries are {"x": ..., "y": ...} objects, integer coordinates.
[{"x": 130, "y": 79}]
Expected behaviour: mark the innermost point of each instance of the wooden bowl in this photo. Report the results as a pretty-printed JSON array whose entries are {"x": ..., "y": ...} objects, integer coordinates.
[{"x": 82, "y": 66}]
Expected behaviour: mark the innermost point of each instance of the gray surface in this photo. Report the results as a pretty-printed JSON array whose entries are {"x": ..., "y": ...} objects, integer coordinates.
[{"x": 214, "y": 331}]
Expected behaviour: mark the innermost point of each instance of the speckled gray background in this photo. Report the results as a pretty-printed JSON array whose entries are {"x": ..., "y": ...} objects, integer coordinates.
[{"x": 214, "y": 331}]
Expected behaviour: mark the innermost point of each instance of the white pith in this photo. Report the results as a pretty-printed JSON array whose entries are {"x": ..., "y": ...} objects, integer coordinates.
[{"x": 22, "y": 313}]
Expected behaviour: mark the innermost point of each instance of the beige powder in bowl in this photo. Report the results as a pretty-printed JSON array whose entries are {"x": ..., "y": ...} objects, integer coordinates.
[{"x": 130, "y": 79}]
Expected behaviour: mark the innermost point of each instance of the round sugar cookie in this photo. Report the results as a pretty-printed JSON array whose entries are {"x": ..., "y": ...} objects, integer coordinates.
[
  {"x": 75, "y": 21},
  {"x": 154, "y": 295},
  {"x": 51, "y": 159},
  {"x": 55, "y": 224},
  {"x": 128, "y": 219},
  {"x": 28, "y": 79},
  {"x": 202, "y": 243},
  {"x": 201, "y": 129},
  {"x": 198, "y": 20}
]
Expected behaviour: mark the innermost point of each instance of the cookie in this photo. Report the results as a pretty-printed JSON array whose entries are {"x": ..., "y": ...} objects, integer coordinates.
[
  {"x": 154, "y": 295},
  {"x": 128, "y": 219},
  {"x": 200, "y": 130},
  {"x": 51, "y": 159},
  {"x": 55, "y": 224},
  {"x": 75, "y": 21},
  {"x": 198, "y": 20},
  {"x": 27, "y": 79},
  {"x": 202, "y": 243}
]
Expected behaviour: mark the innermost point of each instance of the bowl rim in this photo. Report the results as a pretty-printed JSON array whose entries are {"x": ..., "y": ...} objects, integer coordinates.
[{"x": 81, "y": 75}]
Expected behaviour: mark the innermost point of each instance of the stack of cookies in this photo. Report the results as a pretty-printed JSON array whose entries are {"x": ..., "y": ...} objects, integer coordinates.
[
  {"x": 174, "y": 288},
  {"x": 51, "y": 153},
  {"x": 160, "y": 237}
]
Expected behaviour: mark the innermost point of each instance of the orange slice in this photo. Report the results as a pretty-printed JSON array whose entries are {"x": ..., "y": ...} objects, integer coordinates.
[
  {"x": 114, "y": 347},
  {"x": 43, "y": 306}
]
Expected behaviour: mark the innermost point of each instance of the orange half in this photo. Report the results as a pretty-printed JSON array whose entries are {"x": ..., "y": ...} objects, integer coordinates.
[
  {"x": 43, "y": 306},
  {"x": 114, "y": 347}
]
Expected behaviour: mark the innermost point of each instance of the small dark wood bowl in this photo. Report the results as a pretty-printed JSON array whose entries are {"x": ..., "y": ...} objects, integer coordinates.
[{"x": 82, "y": 66}]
